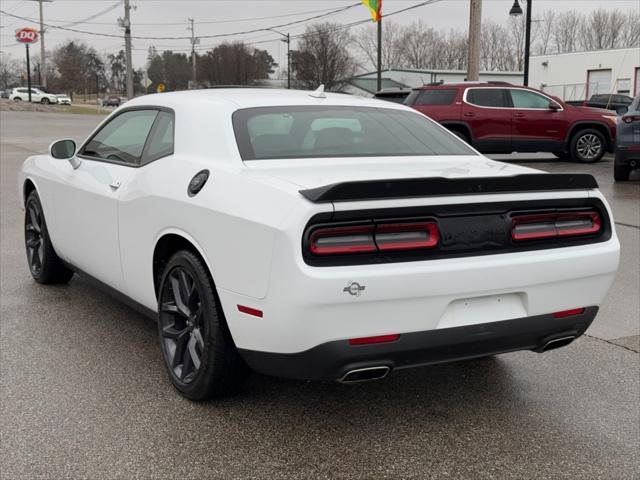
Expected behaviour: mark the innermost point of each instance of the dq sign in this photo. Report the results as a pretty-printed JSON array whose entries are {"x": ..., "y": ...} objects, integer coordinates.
[{"x": 27, "y": 35}]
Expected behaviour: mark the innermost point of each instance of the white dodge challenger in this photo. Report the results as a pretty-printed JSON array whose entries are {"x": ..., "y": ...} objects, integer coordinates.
[{"x": 315, "y": 236}]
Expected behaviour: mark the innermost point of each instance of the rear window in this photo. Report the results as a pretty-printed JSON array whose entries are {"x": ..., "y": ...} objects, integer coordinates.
[
  {"x": 339, "y": 131},
  {"x": 432, "y": 97},
  {"x": 487, "y": 97}
]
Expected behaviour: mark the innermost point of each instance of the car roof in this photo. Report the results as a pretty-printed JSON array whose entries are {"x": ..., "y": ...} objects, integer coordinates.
[
  {"x": 469, "y": 84},
  {"x": 256, "y": 97}
]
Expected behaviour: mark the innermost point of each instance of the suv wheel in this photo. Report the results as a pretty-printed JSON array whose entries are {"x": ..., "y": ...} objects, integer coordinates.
[
  {"x": 199, "y": 353},
  {"x": 621, "y": 172},
  {"x": 462, "y": 136},
  {"x": 17, "y": 99},
  {"x": 587, "y": 146},
  {"x": 45, "y": 101}
]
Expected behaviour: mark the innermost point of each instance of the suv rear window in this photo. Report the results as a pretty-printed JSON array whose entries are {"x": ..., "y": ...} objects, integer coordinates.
[
  {"x": 339, "y": 131},
  {"x": 488, "y": 97},
  {"x": 432, "y": 97}
]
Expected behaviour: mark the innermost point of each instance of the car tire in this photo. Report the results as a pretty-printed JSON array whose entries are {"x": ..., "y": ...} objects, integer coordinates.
[
  {"x": 588, "y": 146},
  {"x": 44, "y": 264},
  {"x": 621, "y": 173},
  {"x": 199, "y": 354},
  {"x": 45, "y": 101},
  {"x": 17, "y": 99}
]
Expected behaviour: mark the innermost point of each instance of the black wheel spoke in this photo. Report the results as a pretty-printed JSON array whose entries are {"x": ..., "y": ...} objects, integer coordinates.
[
  {"x": 33, "y": 215},
  {"x": 181, "y": 324},
  {"x": 183, "y": 309},
  {"x": 33, "y": 238}
]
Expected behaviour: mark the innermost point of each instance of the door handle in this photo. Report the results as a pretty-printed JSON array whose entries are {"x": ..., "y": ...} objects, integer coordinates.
[
  {"x": 469, "y": 114},
  {"x": 518, "y": 115},
  {"x": 115, "y": 184}
]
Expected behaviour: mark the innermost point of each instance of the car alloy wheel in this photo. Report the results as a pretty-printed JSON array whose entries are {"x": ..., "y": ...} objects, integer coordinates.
[
  {"x": 182, "y": 324},
  {"x": 45, "y": 101},
  {"x": 589, "y": 146},
  {"x": 33, "y": 238}
]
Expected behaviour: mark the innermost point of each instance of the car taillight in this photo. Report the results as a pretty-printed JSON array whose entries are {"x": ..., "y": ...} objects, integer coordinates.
[
  {"x": 630, "y": 118},
  {"x": 342, "y": 240},
  {"x": 406, "y": 236},
  {"x": 553, "y": 225},
  {"x": 384, "y": 237}
]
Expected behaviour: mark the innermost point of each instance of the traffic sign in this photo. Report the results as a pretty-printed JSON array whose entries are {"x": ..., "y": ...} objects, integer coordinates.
[{"x": 27, "y": 35}]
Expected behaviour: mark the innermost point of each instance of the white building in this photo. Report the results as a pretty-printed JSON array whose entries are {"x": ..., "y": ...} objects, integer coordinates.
[
  {"x": 579, "y": 75},
  {"x": 417, "y": 78}
]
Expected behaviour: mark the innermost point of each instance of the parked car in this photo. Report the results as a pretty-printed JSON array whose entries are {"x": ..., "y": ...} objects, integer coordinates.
[
  {"x": 628, "y": 143},
  {"x": 315, "y": 236},
  {"x": 63, "y": 99},
  {"x": 396, "y": 95},
  {"x": 617, "y": 102},
  {"x": 112, "y": 101},
  {"x": 504, "y": 118},
  {"x": 38, "y": 96}
]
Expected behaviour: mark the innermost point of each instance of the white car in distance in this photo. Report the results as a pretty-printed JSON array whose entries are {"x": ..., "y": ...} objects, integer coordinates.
[
  {"x": 63, "y": 99},
  {"x": 37, "y": 96},
  {"x": 316, "y": 236}
]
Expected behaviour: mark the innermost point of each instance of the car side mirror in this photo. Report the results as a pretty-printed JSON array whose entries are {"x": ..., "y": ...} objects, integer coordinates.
[
  {"x": 65, "y": 150},
  {"x": 553, "y": 106}
]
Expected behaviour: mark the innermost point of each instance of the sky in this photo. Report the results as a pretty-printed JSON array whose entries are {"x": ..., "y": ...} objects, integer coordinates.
[{"x": 166, "y": 18}]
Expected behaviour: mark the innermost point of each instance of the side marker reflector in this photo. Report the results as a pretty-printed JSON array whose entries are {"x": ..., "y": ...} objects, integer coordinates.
[
  {"x": 250, "y": 311},
  {"x": 568, "y": 313},
  {"x": 376, "y": 339}
]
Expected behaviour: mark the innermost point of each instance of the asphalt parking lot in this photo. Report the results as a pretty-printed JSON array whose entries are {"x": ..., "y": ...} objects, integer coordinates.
[{"x": 84, "y": 394}]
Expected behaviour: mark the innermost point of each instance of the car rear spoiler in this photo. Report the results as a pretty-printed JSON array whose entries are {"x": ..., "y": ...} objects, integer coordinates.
[{"x": 438, "y": 186}]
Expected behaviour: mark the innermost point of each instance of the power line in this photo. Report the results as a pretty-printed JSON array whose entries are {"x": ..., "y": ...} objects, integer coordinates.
[
  {"x": 206, "y": 22},
  {"x": 219, "y": 35},
  {"x": 95, "y": 15}
]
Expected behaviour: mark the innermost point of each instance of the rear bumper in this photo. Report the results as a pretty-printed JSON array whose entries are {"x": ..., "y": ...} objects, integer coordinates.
[
  {"x": 332, "y": 360},
  {"x": 625, "y": 154}
]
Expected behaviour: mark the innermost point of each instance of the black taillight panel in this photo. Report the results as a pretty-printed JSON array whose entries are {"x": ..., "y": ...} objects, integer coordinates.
[{"x": 449, "y": 231}]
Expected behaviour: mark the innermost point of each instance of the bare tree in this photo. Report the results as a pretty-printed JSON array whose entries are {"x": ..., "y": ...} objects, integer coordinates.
[
  {"x": 366, "y": 44},
  {"x": 568, "y": 25},
  {"x": 546, "y": 29},
  {"x": 323, "y": 57},
  {"x": 10, "y": 71}
]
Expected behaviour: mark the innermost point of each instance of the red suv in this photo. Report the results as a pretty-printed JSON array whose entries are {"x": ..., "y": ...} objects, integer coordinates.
[{"x": 505, "y": 118}]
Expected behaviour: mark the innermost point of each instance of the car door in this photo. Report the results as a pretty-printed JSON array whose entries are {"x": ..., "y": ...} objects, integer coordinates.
[
  {"x": 535, "y": 127},
  {"x": 486, "y": 111},
  {"x": 87, "y": 199},
  {"x": 36, "y": 95}
]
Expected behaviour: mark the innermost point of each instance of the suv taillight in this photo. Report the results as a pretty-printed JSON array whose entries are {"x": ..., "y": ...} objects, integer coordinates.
[
  {"x": 630, "y": 118},
  {"x": 554, "y": 225},
  {"x": 384, "y": 237}
]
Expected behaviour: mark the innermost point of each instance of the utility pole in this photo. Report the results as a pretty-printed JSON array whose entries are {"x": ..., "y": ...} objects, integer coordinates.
[
  {"x": 42, "y": 72},
  {"x": 475, "y": 24},
  {"x": 127, "y": 46},
  {"x": 380, "y": 54},
  {"x": 287, "y": 40},
  {"x": 193, "y": 51}
]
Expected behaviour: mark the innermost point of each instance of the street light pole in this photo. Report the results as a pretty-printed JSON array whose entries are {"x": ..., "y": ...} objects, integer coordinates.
[
  {"x": 515, "y": 11},
  {"x": 42, "y": 72}
]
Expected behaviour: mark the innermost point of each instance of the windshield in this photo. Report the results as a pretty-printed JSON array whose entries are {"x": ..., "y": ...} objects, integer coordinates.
[{"x": 339, "y": 131}]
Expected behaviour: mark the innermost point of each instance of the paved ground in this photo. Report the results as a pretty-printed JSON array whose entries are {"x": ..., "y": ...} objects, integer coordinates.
[{"x": 84, "y": 395}]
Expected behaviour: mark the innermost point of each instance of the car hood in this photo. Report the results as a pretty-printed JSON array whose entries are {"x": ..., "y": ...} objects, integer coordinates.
[
  {"x": 310, "y": 173},
  {"x": 595, "y": 111}
]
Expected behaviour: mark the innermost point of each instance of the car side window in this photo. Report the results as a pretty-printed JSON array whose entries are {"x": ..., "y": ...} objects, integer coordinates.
[
  {"x": 161, "y": 139},
  {"x": 487, "y": 97},
  {"x": 528, "y": 99},
  {"x": 123, "y": 138}
]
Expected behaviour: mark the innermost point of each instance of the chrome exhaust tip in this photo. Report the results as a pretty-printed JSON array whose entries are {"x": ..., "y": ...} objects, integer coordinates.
[
  {"x": 365, "y": 374},
  {"x": 557, "y": 343}
]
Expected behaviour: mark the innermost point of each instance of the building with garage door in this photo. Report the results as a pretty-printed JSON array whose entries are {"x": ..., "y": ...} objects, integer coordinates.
[{"x": 579, "y": 75}]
